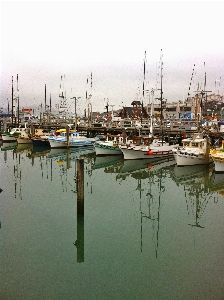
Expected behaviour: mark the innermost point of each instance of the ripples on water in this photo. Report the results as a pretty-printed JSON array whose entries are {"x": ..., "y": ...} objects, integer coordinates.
[{"x": 129, "y": 230}]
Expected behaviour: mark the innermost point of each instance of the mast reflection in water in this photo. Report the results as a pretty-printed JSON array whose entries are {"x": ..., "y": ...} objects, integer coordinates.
[{"x": 152, "y": 230}]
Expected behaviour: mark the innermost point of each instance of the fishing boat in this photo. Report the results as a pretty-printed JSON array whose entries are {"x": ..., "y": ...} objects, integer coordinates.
[
  {"x": 73, "y": 139},
  {"x": 146, "y": 148},
  {"x": 217, "y": 156},
  {"x": 110, "y": 146},
  {"x": 7, "y": 137},
  {"x": 14, "y": 134},
  {"x": 38, "y": 141},
  {"x": 17, "y": 131},
  {"x": 194, "y": 151},
  {"x": 24, "y": 137},
  {"x": 77, "y": 140}
]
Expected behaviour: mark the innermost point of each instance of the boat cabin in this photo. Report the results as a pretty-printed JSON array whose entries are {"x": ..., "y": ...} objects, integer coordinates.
[
  {"x": 142, "y": 140},
  {"x": 116, "y": 139},
  {"x": 197, "y": 141}
]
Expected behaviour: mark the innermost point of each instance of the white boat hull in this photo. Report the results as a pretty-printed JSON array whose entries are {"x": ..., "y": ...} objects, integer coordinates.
[
  {"x": 193, "y": 152},
  {"x": 73, "y": 142},
  {"x": 218, "y": 160},
  {"x": 107, "y": 150},
  {"x": 7, "y": 138},
  {"x": 144, "y": 153},
  {"x": 190, "y": 160},
  {"x": 54, "y": 143}
]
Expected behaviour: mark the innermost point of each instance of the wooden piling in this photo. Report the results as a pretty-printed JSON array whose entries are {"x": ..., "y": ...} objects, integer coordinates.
[
  {"x": 67, "y": 136},
  {"x": 80, "y": 210}
]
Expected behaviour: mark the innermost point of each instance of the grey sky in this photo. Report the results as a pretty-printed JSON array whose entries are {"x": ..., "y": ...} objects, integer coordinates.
[{"x": 42, "y": 40}]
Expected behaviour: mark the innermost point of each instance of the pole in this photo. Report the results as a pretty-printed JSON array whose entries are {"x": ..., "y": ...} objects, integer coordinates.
[
  {"x": 67, "y": 136},
  {"x": 80, "y": 210}
]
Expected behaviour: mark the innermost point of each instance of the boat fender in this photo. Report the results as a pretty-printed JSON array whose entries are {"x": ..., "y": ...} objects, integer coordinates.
[{"x": 150, "y": 152}]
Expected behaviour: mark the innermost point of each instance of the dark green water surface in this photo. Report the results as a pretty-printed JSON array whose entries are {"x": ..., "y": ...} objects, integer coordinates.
[{"x": 144, "y": 231}]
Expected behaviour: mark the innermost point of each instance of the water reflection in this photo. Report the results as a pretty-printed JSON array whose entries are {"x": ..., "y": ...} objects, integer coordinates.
[
  {"x": 200, "y": 178},
  {"x": 200, "y": 183},
  {"x": 83, "y": 223},
  {"x": 199, "y": 186}
]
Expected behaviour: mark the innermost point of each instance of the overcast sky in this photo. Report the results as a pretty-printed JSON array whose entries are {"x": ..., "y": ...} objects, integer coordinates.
[{"x": 44, "y": 40}]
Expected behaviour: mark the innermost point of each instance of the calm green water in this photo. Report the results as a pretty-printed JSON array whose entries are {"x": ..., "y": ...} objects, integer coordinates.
[{"x": 146, "y": 231}]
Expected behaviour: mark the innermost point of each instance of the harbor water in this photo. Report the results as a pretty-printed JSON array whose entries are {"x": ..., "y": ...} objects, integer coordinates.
[{"x": 127, "y": 230}]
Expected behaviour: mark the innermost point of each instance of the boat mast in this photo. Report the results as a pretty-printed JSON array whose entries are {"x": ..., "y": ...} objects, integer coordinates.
[
  {"x": 89, "y": 105},
  {"x": 143, "y": 87},
  {"x": 198, "y": 115},
  {"x": 75, "y": 100},
  {"x": 50, "y": 103},
  {"x": 151, "y": 112},
  {"x": 161, "y": 94},
  {"x": 45, "y": 99},
  {"x": 161, "y": 88},
  {"x": 17, "y": 101},
  {"x": 12, "y": 102}
]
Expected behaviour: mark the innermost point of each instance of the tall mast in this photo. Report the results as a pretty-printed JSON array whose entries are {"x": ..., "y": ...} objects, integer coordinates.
[
  {"x": 143, "y": 89},
  {"x": 45, "y": 98},
  {"x": 143, "y": 86},
  {"x": 12, "y": 101},
  {"x": 17, "y": 100},
  {"x": 88, "y": 97},
  {"x": 151, "y": 111},
  {"x": 161, "y": 86}
]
